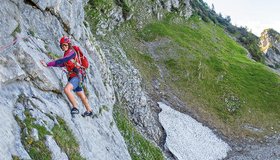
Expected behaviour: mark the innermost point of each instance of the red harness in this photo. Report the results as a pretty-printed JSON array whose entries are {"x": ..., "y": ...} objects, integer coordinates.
[
  {"x": 79, "y": 61},
  {"x": 70, "y": 65}
]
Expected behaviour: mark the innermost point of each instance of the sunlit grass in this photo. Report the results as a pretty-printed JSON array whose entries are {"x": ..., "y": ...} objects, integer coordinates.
[{"x": 211, "y": 73}]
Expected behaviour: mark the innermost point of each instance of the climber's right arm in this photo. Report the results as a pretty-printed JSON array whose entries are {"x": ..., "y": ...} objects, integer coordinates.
[{"x": 60, "y": 62}]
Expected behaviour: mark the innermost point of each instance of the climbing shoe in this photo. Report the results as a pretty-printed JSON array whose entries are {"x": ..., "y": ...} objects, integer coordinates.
[
  {"x": 74, "y": 111},
  {"x": 87, "y": 113}
]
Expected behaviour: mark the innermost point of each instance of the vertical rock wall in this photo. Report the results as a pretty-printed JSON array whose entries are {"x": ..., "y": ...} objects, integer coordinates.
[{"x": 30, "y": 30}]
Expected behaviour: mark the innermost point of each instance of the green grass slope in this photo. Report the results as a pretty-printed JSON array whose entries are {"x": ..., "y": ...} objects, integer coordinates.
[
  {"x": 202, "y": 65},
  {"x": 210, "y": 72}
]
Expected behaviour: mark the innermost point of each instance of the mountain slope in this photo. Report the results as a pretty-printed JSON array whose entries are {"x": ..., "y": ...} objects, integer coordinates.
[
  {"x": 196, "y": 67},
  {"x": 242, "y": 34},
  {"x": 202, "y": 66}
]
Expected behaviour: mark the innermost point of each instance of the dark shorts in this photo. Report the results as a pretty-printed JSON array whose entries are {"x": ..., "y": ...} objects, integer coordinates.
[{"x": 75, "y": 81}]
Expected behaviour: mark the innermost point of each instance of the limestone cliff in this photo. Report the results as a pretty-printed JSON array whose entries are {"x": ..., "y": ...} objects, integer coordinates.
[
  {"x": 30, "y": 31},
  {"x": 270, "y": 46}
]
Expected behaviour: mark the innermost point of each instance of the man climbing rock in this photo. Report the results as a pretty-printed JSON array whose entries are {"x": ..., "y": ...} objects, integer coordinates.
[{"x": 72, "y": 61}]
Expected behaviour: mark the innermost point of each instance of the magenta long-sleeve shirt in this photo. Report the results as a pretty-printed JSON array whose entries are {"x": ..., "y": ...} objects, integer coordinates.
[{"x": 70, "y": 54}]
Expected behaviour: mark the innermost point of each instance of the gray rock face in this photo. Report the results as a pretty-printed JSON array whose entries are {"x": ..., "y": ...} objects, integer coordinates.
[
  {"x": 57, "y": 153},
  {"x": 271, "y": 47},
  {"x": 127, "y": 82},
  {"x": 28, "y": 32},
  {"x": 142, "y": 11},
  {"x": 268, "y": 150}
]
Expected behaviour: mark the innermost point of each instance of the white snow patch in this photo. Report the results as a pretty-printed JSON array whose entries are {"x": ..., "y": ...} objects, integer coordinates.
[{"x": 189, "y": 139}]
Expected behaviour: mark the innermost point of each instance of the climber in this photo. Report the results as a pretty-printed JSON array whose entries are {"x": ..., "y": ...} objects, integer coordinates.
[{"x": 69, "y": 60}]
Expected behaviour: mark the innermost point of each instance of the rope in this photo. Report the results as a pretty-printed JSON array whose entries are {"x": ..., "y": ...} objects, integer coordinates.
[{"x": 3, "y": 48}]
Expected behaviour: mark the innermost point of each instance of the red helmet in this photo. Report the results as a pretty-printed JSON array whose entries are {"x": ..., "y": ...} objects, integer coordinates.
[{"x": 65, "y": 39}]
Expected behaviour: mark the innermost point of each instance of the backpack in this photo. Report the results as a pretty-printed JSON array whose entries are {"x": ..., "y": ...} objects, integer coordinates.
[{"x": 82, "y": 60}]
